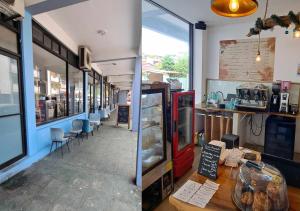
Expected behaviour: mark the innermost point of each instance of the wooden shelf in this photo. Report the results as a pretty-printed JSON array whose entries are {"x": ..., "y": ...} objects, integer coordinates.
[{"x": 211, "y": 109}]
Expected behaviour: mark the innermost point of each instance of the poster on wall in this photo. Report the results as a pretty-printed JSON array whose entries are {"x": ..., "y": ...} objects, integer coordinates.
[{"x": 238, "y": 59}]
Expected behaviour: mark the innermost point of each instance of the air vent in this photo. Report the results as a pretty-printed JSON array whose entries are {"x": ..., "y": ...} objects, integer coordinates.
[{"x": 85, "y": 62}]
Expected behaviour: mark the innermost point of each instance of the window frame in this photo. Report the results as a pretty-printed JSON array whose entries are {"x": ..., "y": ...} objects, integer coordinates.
[
  {"x": 70, "y": 59},
  {"x": 67, "y": 82},
  {"x": 191, "y": 40},
  {"x": 15, "y": 26}
]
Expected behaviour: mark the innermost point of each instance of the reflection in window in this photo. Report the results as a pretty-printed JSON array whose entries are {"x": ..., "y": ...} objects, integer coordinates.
[
  {"x": 9, "y": 86},
  {"x": 165, "y": 44},
  {"x": 98, "y": 93},
  {"x": 75, "y": 90},
  {"x": 91, "y": 94},
  {"x": 49, "y": 85}
]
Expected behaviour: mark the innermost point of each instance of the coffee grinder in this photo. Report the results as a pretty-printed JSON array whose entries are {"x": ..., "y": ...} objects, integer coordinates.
[
  {"x": 275, "y": 98},
  {"x": 284, "y": 96}
]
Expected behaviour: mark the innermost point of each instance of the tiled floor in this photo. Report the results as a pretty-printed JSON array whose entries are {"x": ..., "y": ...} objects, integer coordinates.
[
  {"x": 95, "y": 175},
  {"x": 165, "y": 205}
]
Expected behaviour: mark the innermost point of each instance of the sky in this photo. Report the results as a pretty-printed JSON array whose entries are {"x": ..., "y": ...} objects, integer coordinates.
[{"x": 159, "y": 44}]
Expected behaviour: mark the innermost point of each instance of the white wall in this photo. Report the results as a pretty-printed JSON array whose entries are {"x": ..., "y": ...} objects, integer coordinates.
[{"x": 287, "y": 56}]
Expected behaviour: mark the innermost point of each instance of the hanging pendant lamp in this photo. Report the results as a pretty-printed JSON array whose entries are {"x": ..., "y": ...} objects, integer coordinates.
[{"x": 234, "y": 8}]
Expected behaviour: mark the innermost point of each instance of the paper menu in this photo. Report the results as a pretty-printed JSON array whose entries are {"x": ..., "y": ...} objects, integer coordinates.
[
  {"x": 197, "y": 194},
  {"x": 186, "y": 192}
]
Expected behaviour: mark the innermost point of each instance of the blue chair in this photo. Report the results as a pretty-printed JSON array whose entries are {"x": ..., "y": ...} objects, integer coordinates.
[
  {"x": 57, "y": 137},
  {"x": 95, "y": 120},
  {"x": 87, "y": 128},
  {"x": 77, "y": 126}
]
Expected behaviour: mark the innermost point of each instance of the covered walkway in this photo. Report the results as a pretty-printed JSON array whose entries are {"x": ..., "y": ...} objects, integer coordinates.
[{"x": 95, "y": 175}]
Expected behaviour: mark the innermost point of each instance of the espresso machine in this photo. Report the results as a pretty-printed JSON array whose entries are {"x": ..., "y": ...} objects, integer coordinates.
[
  {"x": 275, "y": 98},
  {"x": 252, "y": 96},
  {"x": 284, "y": 96}
]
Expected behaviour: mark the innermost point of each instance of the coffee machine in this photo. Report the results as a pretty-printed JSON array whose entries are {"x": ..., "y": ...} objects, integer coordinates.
[
  {"x": 284, "y": 96},
  {"x": 275, "y": 98},
  {"x": 252, "y": 96}
]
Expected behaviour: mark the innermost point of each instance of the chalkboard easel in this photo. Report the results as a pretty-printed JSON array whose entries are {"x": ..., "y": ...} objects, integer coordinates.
[
  {"x": 123, "y": 115},
  {"x": 209, "y": 161}
]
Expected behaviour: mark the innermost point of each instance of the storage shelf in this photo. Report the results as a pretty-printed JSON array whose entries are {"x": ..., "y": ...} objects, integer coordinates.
[
  {"x": 152, "y": 106},
  {"x": 146, "y": 127}
]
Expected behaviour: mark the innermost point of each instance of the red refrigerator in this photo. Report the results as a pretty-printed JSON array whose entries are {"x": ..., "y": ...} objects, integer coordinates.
[{"x": 183, "y": 115}]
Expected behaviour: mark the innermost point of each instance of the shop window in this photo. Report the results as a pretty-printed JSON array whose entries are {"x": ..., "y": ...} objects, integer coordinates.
[
  {"x": 8, "y": 40},
  {"x": 166, "y": 45},
  {"x": 12, "y": 139},
  {"x": 98, "y": 93},
  {"x": 91, "y": 104},
  {"x": 49, "y": 85},
  {"x": 75, "y": 80}
]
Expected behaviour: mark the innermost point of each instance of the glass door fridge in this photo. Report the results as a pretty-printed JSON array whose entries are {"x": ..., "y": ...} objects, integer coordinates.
[
  {"x": 183, "y": 112},
  {"x": 153, "y": 129},
  {"x": 157, "y": 174}
]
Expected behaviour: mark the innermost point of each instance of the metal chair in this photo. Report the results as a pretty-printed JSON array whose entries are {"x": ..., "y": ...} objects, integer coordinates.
[
  {"x": 95, "y": 120},
  {"x": 77, "y": 125},
  {"x": 87, "y": 128},
  {"x": 57, "y": 137}
]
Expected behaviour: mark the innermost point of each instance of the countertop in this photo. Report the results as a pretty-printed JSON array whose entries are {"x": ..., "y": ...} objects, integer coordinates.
[
  {"x": 203, "y": 108},
  {"x": 222, "y": 199}
]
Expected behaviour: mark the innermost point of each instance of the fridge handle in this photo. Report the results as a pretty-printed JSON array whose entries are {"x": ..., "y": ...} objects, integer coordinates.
[{"x": 175, "y": 126}]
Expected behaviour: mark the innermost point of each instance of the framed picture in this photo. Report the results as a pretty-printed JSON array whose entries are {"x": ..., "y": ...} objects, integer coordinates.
[{"x": 298, "y": 70}]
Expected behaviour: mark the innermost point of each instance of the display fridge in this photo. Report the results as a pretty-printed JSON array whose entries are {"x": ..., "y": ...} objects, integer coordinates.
[
  {"x": 157, "y": 175},
  {"x": 183, "y": 113}
]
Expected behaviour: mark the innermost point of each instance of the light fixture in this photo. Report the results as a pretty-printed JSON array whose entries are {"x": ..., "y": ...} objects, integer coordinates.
[
  {"x": 234, "y": 8},
  {"x": 234, "y": 5},
  {"x": 102, "y": 32},
  {"x": 258, "y": 56},
  {"x": 297, "y": 32}
]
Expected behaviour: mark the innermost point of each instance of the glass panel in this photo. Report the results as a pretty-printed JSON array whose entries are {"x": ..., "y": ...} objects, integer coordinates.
[
  {"x": 9, "y": 86},
  {"x": 90, "y": 94},
  {"x": 8, "y": 39},
  {"x": 185, "y": 121},
  {"x": 97, "y": 94},
  {"x": 11, "y": 138},
  {"x": 75, "y": 90},
  {"x": 50, "y": 85},
  {"x": 152, "y": 130},
  {"x": 165, "y": 44}
]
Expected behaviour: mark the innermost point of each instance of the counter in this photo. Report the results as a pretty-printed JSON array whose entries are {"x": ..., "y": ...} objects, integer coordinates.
[{"x": 222, "y": 198}]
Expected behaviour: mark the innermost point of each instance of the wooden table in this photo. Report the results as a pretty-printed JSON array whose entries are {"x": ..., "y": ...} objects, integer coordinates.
[{"x": 222, "y": 198}]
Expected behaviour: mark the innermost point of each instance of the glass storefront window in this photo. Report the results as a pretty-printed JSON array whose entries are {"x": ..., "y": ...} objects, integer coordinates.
[
  {"x": 12, "y": 139},
  {"x": 49, "y": 85},
  {"x": 166, "y": 47},
  {"x": 91, "y": 94},
  {"x": 75, "y": 79},
  {"x": 98, "y": 93}
]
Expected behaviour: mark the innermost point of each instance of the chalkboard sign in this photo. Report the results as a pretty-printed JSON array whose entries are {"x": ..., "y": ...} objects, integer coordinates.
[
  {"x": 123, "y": 115},
  {"x": 209, "y": 161}
]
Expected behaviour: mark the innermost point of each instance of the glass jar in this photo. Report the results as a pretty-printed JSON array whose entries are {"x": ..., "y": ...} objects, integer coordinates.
[{"x": 260, "y": 187}]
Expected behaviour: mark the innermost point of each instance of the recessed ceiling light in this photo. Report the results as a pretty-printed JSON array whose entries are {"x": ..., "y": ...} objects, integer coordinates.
[{"x": 102, "y": 32}]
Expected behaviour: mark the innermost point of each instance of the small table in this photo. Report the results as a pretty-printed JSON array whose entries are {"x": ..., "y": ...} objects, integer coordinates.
[{"x": 222, "y": 199}]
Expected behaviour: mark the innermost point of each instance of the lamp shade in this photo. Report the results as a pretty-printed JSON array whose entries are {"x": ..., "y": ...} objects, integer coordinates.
[{"x": 234, "y": 8}]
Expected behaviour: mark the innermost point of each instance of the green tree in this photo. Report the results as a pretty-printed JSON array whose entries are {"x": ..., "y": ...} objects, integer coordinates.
[
  {"x": 182, "y": 65},
  {"x": 167, "y": 63}
]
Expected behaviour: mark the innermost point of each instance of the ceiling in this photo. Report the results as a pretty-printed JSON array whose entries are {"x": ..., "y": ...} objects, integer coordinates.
[
  {"x": 121, "y": 22},
  {"x": 32, "y": 2},
  {"x": 199, "y": 10}
]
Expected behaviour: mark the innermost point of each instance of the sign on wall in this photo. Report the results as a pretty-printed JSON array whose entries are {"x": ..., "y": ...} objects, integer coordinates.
[{"x": 238, "y": 59}]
